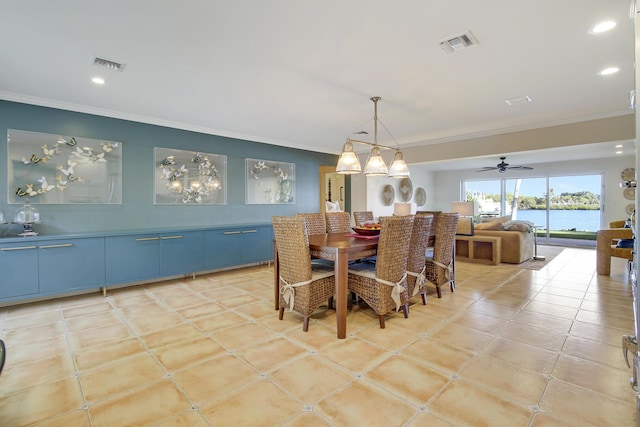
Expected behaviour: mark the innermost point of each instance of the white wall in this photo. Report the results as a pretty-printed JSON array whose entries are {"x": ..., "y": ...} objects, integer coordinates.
[
  {"x": 447, "y": 184},
  {"x": 366, "y": 192}
]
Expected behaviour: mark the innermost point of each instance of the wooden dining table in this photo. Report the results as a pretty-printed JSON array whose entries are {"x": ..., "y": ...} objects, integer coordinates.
[{"x": 339, "y": 248}]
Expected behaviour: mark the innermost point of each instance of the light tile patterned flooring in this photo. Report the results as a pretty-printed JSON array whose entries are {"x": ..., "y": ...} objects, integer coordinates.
[{"x": 511, "y": 347}]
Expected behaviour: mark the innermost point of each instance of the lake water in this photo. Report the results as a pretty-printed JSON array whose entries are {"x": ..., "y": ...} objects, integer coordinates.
[{"x": 563, "y": 219}]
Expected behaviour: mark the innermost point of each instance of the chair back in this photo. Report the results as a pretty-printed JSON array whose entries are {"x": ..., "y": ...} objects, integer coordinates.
[
  {"x": 293, "y": 250},
  {"x": 313, "y": 223},
  {"x": 393, "y": 247},
  {"x": 434, "y": 225},
  {"x": 418, "y": 243},
  {"x": 338, "y": 222},
  {"x": 445, "y": 237},
  {"x": 361, "y": 217}
]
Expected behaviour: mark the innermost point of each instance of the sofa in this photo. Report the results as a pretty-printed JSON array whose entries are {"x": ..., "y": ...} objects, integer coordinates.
[{"x": 517, "y": 239}]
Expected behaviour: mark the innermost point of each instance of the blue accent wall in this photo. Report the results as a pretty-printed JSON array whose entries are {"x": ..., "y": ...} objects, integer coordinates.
[{"x": 137, "y": 210}]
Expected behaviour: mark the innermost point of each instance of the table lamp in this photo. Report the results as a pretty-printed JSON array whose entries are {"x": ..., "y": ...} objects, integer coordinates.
[{"x": 467, "y": 211}]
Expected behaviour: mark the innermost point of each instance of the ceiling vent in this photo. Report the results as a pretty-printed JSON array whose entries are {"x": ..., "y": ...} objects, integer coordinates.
[
  {"x": 112, "y": 65},
  {"x": 455, "y": 43}
]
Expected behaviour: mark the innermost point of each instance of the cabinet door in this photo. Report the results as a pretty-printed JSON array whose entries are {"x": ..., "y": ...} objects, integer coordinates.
[
  {"x": 222, "y": 248},
  {"x": 257, "y": 244},
  {"x": 19, "y": 269},
  {"x": 180, "y": 253},
  {"x": 66, "y": 265},
  {"x": 131, "y": 258}
]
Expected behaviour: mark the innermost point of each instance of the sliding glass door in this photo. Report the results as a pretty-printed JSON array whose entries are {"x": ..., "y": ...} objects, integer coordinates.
[{"x": 561, "y": 207}]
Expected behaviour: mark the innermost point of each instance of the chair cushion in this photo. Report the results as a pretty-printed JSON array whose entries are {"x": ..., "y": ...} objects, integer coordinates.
[{"x": 365, "y": 269}]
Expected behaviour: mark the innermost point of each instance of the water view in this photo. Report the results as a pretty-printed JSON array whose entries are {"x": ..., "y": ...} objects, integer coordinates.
[{"x": 580, "y": 220}]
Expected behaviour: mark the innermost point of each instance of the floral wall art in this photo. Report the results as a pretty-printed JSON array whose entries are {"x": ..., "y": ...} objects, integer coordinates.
[
  {"x": 189, "y": 177},
  {"x": 60, "y": 169},
  {"x": 270, "y": 182}
]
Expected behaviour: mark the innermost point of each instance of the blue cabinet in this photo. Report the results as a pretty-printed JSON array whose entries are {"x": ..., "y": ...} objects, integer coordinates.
[
  {"x": 180, "y": 253},
  {"x": 19, "y": 269},
  {"x": 47, "y": 266},
  {"x": 132, "y": 258},
  {"x": 227, "y": 247},
  {"x": 257, "y": 245},
  {"x": 71, "y": 264}
]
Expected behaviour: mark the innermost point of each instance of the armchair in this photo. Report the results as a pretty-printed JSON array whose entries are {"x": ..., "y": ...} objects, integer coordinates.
[{"x": 606, "y": 246}]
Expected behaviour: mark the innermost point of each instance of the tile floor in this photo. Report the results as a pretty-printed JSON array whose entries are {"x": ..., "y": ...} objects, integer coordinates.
[{"x": 511, "y": 347}]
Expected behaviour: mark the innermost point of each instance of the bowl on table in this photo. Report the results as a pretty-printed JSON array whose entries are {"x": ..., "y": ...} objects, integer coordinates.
[{"x": 366, "y": 231}]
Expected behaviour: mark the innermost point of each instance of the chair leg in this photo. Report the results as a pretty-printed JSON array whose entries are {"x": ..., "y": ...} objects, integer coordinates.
[
  {"x": 381, "y": 320},
  {"x": 452, "y": 286},
  {"x": 281, "y": 314},
  {"x": 439, "y": 292},
  {"x": 305, "y": 324},
  {"x": 330, "y": 303},
  {"x": 424, "y": 298},
  {"x": 405, "y": 309}
]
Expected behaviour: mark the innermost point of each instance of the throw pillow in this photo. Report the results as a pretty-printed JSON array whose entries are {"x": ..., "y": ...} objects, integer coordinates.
[
  {"x": 518, "y": 225},
  {"x": 625, "y": 243},
  {"x": 493, "y": 225}
]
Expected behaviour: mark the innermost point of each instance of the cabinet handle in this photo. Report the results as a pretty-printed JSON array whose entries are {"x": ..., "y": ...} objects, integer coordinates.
[
  {"x": 19, "y": 248},
  {"x": 144, "y": 239},
  {"x": 249, "y": 231},
  {"x": 232, "y": 232},
  {"x": 170, "y": 237},
  {"x": 63, "y": 245}
]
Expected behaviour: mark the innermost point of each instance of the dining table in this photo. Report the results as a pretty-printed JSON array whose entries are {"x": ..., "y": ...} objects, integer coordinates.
[{"x": 339, "y": 248}]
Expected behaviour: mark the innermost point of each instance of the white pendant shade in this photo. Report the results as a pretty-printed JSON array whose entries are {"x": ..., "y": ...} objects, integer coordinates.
[
  {"x": 348, "y": 162},
  {"x": 375, "y": 165},
  {"x": 398, "y": 168}
]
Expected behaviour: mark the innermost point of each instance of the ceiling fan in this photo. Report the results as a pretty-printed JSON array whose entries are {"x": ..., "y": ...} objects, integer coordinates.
[{"x": 502, "y": 167}]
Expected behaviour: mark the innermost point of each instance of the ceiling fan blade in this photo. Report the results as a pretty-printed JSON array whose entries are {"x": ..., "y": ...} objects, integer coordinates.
[
  {"x": 487, "y": 168},
  {"x": 520, "y": 167}
]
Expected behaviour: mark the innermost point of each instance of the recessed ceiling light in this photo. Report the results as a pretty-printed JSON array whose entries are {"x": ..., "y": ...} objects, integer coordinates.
[
  {"x": 98, "y": 80},
  {"x": 607, "y": 71},
  {"x": 602, "y": 27},
  {"x": 618, "y": 152},
  {"x": 619, "y": 146},
  {"x": 518, "y": 100}
]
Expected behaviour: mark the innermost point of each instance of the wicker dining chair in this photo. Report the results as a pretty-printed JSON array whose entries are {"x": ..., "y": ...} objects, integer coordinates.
[
  {"x": 416, "y": 266},
  {"x": 314, "y": 223},
  {"x": 383, "y": 285},
  {"x": 440, "y": 268},
  {"x": 302, "y": 288},
  {"x": 359, "y": 218},
  {"x": 338, "y": 222}
]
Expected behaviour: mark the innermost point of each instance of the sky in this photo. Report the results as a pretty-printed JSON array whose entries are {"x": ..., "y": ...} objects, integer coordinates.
[{"x": 538, "y": 186}]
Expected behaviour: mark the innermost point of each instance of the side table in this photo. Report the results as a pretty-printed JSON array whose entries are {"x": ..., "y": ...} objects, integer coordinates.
[{"x": 482, "y": 249}]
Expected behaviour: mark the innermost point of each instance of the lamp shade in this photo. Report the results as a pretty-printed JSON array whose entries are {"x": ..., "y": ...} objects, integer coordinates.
[
  {"x": 398, "y": 168},
  {"x": 401, "y": 209},
  {"x": 375, "y": 165},
  {"x": 465, "y": 208},
  {"x": 348, "y": 162}
]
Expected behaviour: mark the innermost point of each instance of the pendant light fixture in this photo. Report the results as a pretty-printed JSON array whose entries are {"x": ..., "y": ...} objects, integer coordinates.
[{"x": 348, "y": 162}]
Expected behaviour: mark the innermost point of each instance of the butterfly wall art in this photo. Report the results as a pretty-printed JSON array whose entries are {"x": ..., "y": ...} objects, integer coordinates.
[{"x": 48, "y": 168}]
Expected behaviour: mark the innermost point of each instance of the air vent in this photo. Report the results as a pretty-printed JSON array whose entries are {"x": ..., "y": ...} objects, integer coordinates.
[
  {"x": 112, "y": 65},
  {"x": 455, "y": 43}
]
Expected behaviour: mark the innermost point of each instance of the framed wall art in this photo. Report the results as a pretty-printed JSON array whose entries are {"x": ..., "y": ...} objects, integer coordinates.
[
  {"x": 270, "y": 182},
  {"x": 189, "y": 177},
  {"x": 61, "y": 169}
]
